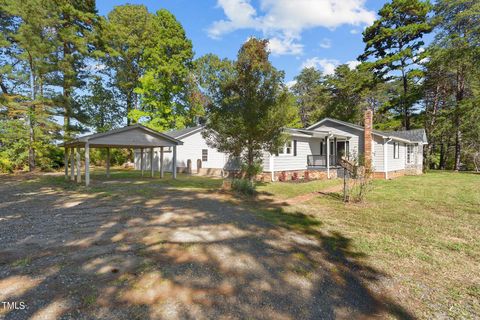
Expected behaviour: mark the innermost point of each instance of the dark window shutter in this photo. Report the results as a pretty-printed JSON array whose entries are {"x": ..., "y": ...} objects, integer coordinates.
[{"x": 294, "y": 148}]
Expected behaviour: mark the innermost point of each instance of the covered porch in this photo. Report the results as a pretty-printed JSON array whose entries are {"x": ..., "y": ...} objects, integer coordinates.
[
  {"x": 135, "y": 137},
  {"x": 326, "y": 147}
]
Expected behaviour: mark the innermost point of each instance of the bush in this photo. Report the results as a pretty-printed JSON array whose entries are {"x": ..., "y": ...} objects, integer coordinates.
[
  {"x": 243, "y": 186},
  {"x": 252, "y": 170},
  {"x": 6, "y": 166}
]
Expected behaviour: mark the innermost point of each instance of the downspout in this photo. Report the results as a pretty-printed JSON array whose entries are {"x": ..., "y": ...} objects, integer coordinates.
[
  {"x": 385, "y": 157},
  {"x": 272, "y": 169}
]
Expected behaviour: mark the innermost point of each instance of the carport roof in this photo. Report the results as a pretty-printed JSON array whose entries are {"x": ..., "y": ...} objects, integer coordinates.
[{"x": 136, "y": 135}]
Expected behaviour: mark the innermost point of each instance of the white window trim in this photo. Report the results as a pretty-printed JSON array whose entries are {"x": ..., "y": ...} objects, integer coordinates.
[
  {"x": 413, "y": 154},
  {"x": 282, "y": 151}
]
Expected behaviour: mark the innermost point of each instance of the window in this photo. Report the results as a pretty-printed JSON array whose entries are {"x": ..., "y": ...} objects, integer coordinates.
[
  {"x": 204, "y": 155},
  {"x": 410, "y": 154},
  {"x": 322, "y": 145},
  {"x": 396, "y": 150},
  {"x": 286, "y": 149}
]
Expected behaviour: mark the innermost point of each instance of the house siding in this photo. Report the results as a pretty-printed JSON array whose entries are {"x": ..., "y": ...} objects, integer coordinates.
[
  {"x": 396, "y": 164},
  {"x": 190, "y": 150},
  {"x": 378, "y": 156},
  {"x": 287, "y": 162},
  {"x": 356, "y": 140}
]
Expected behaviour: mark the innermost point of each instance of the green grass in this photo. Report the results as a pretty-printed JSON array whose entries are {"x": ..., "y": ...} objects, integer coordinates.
[
  {"x": 285, "y": 190},
  {"x": 125, "y": 182},
  {"x": 22, "y": 263},
  {"x": 423, "y": 231}
]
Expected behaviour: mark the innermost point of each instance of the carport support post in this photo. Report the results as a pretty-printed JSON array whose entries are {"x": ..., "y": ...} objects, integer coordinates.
[
  {"x": 161, "y": 162},
  {"x": 87, "y": 164},
  {"x": 108, "y": 163},
  {"x": 141, "y": 160},
  {"x": 328, "y": 157},
  {"x": 151, "y": 162},
  {"x": 72, "y": 164},
  {"x": 66, "y": 163},
  {"x": 174, "y": 162},
  {"x": 79, "y": 172}
]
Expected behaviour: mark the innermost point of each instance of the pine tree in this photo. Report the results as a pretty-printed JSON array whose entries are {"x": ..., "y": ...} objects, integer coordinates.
[{"x": 394, "y": 43}]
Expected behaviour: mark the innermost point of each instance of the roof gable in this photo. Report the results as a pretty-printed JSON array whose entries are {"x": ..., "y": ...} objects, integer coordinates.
[
  {"x": 128, "y": 136},
  {"x": 183, "y": 133},
  {"x": 416, "y": 135}
]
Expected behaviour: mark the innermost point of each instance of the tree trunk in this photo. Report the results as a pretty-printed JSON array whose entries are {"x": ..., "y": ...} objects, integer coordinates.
[
  {"x": 406, "y": 111},
  {"x": 250, "y": 163},
  {"x": 458, "y": 101},
  {"x": 442, "y": 156},
  {"x": 129, "y": 106},
  {"x": 66, "y": 86},
  {"x": 31, "y": 120}
]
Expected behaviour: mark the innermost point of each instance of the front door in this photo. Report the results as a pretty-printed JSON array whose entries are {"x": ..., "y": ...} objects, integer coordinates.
[{"x": 342, "y": 149}]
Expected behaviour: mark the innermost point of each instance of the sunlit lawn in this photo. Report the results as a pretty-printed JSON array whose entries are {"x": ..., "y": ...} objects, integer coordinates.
[{"x": 423, "y": 231}]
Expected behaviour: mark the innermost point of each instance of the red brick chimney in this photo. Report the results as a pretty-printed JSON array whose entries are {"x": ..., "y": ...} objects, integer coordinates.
[{"x": 367, "y": 149}]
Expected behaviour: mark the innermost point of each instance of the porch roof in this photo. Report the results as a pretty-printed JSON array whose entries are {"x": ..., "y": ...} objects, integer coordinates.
[
  {"x": 135, "y": 136},
  {"x": 307, "y": 133}
]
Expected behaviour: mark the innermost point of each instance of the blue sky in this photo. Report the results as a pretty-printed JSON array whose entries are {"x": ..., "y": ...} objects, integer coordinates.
[{"x": 320, "y": 33}]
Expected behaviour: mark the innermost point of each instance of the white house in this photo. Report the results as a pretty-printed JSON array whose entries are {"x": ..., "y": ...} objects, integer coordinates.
[{"x": 391, "y": 153}]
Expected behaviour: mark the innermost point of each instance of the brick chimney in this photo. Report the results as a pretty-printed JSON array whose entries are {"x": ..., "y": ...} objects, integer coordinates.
[{"x": 367, "y": 146}]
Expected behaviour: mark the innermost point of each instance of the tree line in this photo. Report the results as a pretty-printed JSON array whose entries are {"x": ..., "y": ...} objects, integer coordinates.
[{"x": 66, "y": 70}]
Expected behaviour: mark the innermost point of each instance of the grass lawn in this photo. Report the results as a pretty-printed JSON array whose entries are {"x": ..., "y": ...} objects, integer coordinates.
[{"x": 422, "y": 231}]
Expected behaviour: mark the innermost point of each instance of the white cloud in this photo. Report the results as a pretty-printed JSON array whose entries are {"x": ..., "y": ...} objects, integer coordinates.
[
  {"x": 327, "y": 66},
  {"x": 285, "y": 20},
  {"x": 353, "y": 64},
  {"x": 291, "y": 83},
  {"x": 354, "y": 31},
  {"x": 279, "y": 46},
  {"x": 326, "y": 43}
]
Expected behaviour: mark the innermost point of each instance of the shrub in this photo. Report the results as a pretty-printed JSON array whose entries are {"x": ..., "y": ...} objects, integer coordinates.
[
  {"x": 243, "y": 186},
  {"x": 283, "y": 176},
  {"x": 295, "y": 176},
  {"x": 6, "y": 166},
  {"x": 252, "y": 170}
]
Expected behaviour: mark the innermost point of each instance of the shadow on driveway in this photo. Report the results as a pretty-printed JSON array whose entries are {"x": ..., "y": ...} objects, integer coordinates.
[{"x": 128, "y": 250}]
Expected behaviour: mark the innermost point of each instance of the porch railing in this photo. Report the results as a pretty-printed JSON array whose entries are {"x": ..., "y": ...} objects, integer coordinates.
[{"x": 316, "y": 160}]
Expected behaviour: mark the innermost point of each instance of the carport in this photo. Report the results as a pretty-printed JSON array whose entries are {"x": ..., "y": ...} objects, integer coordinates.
[{"x": 134, "y": 136}]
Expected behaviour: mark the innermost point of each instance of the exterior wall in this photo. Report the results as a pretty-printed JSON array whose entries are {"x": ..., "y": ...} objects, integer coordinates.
[
  {"x": 356, "y": 140},
  {"x": 377, "y": 154},
  {"x": 391, "y": 174},
  {"x": 299, "y": 174},
  {"x": 289, "y": 162},
  {"x": 416, "y": 168},
  {"x": 190, "y": 150},
  {"x": 396, "y": 164}
]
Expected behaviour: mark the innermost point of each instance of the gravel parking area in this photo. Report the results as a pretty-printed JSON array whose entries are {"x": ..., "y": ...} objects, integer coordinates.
[{"x": 127, "y": 250}]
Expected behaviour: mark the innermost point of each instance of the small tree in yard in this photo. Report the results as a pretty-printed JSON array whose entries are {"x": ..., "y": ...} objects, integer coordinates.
[{"x": 250, "y": 108}]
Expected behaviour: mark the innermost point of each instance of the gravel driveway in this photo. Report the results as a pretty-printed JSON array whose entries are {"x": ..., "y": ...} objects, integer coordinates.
[{"x": 175, "y": 253}]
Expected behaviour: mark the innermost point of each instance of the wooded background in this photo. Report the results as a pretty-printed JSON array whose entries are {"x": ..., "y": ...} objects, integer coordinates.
[{"x": 65, "y": 70}]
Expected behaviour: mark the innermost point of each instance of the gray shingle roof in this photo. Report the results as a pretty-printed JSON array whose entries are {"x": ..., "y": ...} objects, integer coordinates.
[
  {"x": 412, "y": 135},
  {"x": 182, "y": 132}
]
